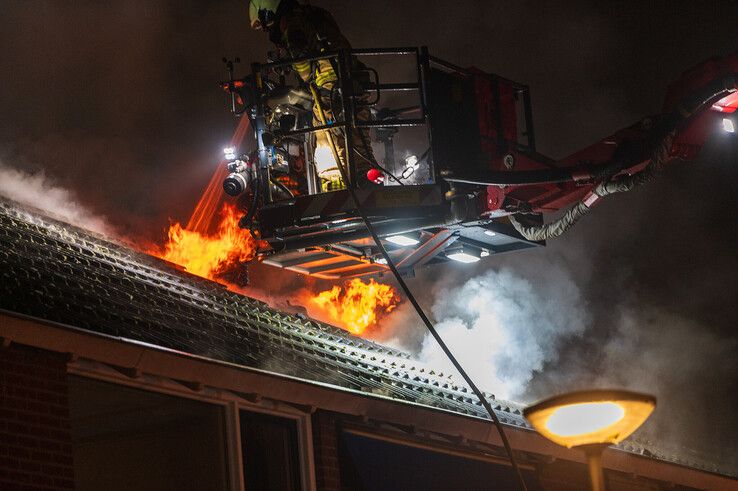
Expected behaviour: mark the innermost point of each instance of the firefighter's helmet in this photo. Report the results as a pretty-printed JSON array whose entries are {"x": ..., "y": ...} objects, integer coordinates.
[{"x": 262, "y": 13}]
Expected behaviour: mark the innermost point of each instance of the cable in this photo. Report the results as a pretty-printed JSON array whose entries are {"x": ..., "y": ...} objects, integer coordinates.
[
  {"x": 282, "y": 187},
  {"x": 248, "y": 219},
  {"x": 428, "y": 324}
]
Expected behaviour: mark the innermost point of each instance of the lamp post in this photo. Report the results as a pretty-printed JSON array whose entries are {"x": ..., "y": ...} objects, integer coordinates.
[{"x": 591, "y": 421}]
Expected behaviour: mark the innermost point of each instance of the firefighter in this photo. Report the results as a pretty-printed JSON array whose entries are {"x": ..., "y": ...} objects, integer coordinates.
[{"x": 302, "y": 30}]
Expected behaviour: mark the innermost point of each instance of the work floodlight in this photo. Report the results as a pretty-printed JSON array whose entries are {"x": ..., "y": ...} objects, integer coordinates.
[
  {"x": 728, "y": 125},
  {"x": 402, "y": 240},
  {"x": 466, "y": 254},
  {"x": 229, "y": 153},
  {"x": 591, "y": 420},
  {"x": 463, "y": 257}
]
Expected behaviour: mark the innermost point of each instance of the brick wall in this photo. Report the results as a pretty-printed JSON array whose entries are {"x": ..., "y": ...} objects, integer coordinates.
[
  {"x": 325, "y": 445},
  {"x": 35, "y": 439},
  {"x": 562, "y": 475}
]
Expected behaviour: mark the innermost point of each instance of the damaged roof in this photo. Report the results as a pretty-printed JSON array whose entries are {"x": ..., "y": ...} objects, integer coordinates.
[{"x": 57, "y": 272}]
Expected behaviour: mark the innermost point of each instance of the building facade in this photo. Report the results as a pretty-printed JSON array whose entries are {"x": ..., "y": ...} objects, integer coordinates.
[{"x": 120, "y": 371}]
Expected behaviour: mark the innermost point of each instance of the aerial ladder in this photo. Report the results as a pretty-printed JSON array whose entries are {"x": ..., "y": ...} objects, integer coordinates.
[{"x": 468, "y": 183}]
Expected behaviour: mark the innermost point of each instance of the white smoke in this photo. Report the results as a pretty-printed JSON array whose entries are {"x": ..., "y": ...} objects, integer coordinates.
[
  {"x": 39, "y": 191},
  {"x": 685, "y": 366},
  {"x": 503, "y": 328},
  {"x": 551, "y": 322}
]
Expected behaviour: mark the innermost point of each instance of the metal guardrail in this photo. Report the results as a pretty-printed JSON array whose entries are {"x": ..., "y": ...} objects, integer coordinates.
[{"x": 342, "y": 60}]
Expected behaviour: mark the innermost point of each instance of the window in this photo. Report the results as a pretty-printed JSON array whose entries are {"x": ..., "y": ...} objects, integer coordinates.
[
  {"x": 269, "y": 447},
  {"x": 370, "y": 464},
  {"x": 125, "y": 438}
]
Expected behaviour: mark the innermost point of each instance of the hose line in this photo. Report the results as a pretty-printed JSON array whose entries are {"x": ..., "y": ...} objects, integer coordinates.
[
  {"x": 659, "y": 156},
  {"x": 689, "y": 106},
  {"x": 428, "y": 324}
]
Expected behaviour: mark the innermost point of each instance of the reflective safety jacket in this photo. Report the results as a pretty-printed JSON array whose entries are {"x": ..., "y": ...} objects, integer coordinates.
[{"x": 305, "y": 30}]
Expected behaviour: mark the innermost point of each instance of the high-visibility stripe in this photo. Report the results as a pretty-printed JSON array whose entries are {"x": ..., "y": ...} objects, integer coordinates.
[
  {"x": 320, "y": 82},
  {"x": 303, "y": 69},
  {"x": 321, "y": 79},
  {"x": 324, "y": 73}
]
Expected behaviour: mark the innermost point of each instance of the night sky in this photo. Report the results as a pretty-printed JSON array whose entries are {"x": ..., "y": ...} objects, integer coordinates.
[{"x": 118, "y": 102}]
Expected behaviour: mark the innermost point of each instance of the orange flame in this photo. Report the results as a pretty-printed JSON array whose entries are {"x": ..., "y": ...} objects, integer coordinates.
[
  {"x": 209, "y": 255},
  {"x": 358, "y": 306}
]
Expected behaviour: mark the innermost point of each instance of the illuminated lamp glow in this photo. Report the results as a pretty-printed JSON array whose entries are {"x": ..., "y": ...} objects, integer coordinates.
[
  {"x": 727, "y": 104},
  {"x": 402, "y": 240},
  {"x": 230, "y": 153},
  {"x": 728, "y": 125},
  {"x": 723, "y": 109},
  {"x": 463, "y": 257},
  {"x": 466, "y": 254},
  {"x": 595, "y": 417},
  {"x": 324, "y": 159},
  {"x": 591, "y": 420},
  {"x": 584, "y": 418}
]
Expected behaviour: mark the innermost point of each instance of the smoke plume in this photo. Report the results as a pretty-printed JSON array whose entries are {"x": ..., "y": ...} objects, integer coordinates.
[
  {"x": 641, "y": 294},
  {"x": 627, "y": 299},
  {"x": 41, "y": 192},
  {"x": 504, "y": 328}
]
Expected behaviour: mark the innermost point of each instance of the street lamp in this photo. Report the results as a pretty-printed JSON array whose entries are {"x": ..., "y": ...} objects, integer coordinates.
[{"x": 591, "y": 420}]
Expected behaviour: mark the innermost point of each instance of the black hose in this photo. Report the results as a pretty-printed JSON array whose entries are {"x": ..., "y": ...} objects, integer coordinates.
[
  {"x": 247, "y": 220},
  {"x": 282, "y": 187},
  {"x": 429, "y": 325}
]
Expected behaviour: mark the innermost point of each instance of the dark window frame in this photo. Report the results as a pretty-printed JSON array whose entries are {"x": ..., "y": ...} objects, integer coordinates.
[{"x": 232, "y": 404}]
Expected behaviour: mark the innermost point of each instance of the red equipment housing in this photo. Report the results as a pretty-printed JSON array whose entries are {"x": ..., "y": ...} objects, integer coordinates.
[{"x": 480, "y": 189}]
